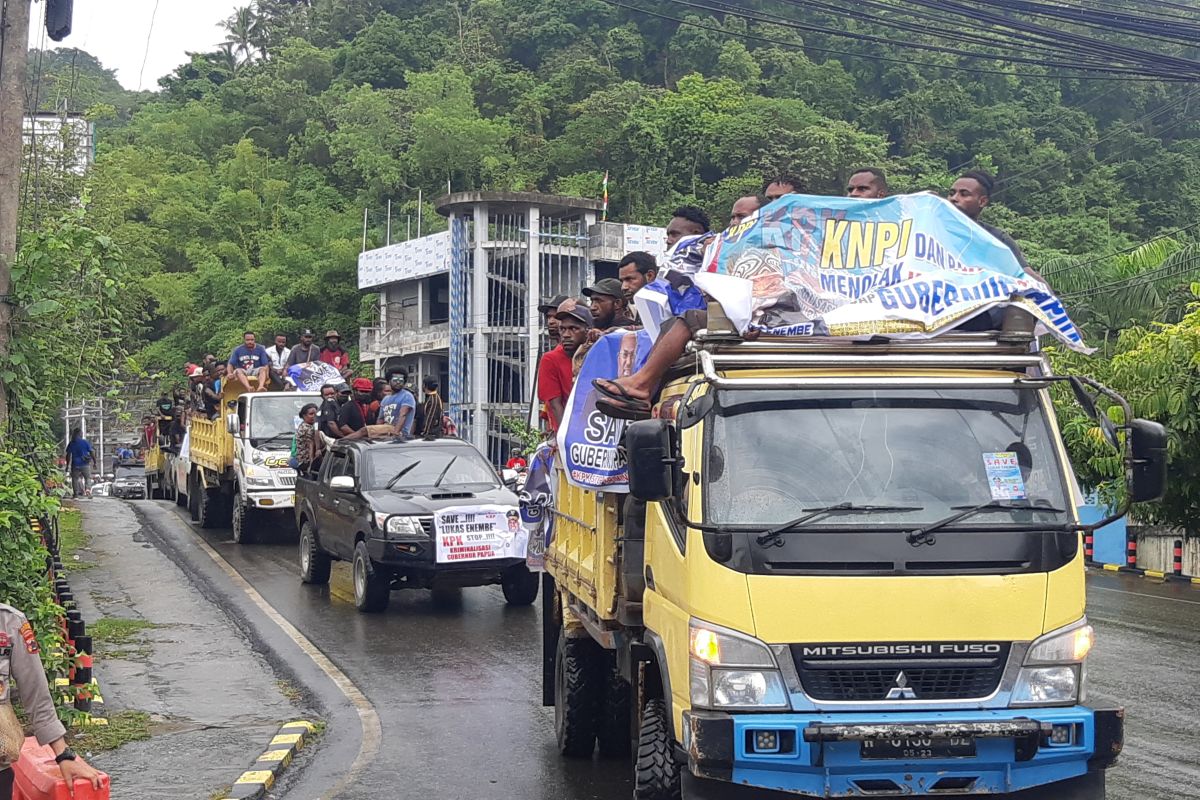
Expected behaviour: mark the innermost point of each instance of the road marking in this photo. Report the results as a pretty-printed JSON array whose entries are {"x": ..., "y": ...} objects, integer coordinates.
[
  {"x": 372, "y": 732},
  {"x": 1141, "y": 594}
]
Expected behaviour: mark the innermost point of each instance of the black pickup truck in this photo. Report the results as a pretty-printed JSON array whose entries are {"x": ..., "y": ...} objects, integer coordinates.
[{"x": 374, "y": 504}]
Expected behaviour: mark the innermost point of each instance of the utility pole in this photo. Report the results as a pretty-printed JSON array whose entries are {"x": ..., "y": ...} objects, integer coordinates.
[{"x": 14, "y": 38}]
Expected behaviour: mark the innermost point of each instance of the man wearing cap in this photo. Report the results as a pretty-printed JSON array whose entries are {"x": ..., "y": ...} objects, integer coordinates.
[
  {"x": 333, "y": 354},
  {"x": 250, "y": 359},
  {"x": 609, "y": 307},
  {"x": 305, "y": 352},
  {"x": 353, "y": 415},
  {"x": 555, "y": 376},
  {"x": 548, "y": 310},
  {"x": 399, "y": 408}
]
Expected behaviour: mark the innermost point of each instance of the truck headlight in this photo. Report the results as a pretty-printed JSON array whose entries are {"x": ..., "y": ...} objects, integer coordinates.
[
  {"x": 254, "y": 480},
  {"x": 396, "y": 526},
  {"x": 1054, "y": 669},
  {"x": 731, "y": 670}
]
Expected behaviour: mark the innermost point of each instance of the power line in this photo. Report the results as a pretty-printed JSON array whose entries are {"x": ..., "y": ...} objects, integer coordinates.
[
  {"x": 1171, "y": 269},
  {"x": 1080, "y": 265},
  {"x": 146, "y": 53},
  {"x": 885, "y": 59}
]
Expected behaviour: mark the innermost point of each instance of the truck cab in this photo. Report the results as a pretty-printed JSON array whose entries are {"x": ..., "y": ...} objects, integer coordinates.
[{"x": 843, "y": 569}]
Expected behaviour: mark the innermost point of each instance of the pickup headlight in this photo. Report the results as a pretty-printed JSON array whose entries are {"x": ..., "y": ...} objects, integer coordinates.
[
  {"x": 1054, "y": 670},
  {"x": 396, "y": 526},
  {"x": 731, "y": 670},
  {"x": 253, "y": 480}
]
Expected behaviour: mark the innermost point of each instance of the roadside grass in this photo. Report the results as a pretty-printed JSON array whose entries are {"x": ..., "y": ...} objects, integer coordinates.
[
  {"x": 123, "y": 727},
  {"x": 222, "y": 792},
  {"x": 288, "y": 690},
  {"x": 118, "y": 630},
  {"x": 72, "y": 539}
]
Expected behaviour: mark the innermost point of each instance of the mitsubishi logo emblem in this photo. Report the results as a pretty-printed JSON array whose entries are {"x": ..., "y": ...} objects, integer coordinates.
[{"x": 901, "y": 691}]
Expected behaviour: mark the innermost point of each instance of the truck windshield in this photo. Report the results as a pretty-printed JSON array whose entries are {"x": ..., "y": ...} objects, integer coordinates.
[
  {"x": 773, "y": 454},
  {"x": 129, "y": 472},
  {"x": 428, "y": 468},
  {"x": 273, "y": 420}
]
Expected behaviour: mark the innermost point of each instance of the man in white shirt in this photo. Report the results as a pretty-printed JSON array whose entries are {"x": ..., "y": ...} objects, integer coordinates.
[{"x": 279, "y": 358}]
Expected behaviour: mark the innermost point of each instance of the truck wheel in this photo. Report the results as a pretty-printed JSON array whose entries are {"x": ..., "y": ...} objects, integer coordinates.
[
  {"x": 193, "y": 498},
  {"x": 1085, "y": 787},
  {"x": 372, "y": 590},
  {"x": 244, "y": 523},
  {"x": 314, "y": 562},
  {"x": 656, "y": 774},
  {"x": 520, "y": 586},
  {"x": 576, "y": 696},
  {"x": 613, "y": 733},
  {"x": 208, "y": 507}
]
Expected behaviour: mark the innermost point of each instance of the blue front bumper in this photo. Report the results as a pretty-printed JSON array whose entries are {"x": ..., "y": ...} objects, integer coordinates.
[{"x": 821, "y": 754}]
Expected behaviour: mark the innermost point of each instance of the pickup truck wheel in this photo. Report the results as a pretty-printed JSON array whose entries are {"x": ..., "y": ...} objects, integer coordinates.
[
  {"x": 314, "y": 562},
  {"x": 372, "y": 590},
  {"x": 520, "y": 586},
  {"x": 656, "y": 774},
  {"x": 244, "y": 523},
  {"x": 1085, "y": 787},
  {"x": 576, "y": 696},
  {"x": 613, "y": 733}
]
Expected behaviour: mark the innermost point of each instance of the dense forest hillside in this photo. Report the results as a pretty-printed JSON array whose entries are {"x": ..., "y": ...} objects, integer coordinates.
[{"x": 237, "y": 191}]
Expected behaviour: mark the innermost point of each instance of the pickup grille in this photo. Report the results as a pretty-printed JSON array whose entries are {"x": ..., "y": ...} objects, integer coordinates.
[
  {"x": 427, "y": 525},
  {"x": 924, "y": 678},
  {"x": 287, "y": 480}
]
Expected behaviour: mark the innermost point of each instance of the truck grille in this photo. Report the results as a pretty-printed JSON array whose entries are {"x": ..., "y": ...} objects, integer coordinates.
[
  {"x": 899, "y": 679},
  {"x": 287, "y": 480},
  {"x": 427, "y": 525}
]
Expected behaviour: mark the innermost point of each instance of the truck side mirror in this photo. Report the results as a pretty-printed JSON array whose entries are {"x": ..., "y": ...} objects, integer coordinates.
[
  {"x": 1148, "y": 445},
  {"x": 231, "y": 424},
  {"x": 652, "y": 452},
  {"x": 342, "y": 483}
]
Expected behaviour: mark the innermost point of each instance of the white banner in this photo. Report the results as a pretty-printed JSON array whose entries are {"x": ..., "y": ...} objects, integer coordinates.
[{"x": 476, "y": 533}]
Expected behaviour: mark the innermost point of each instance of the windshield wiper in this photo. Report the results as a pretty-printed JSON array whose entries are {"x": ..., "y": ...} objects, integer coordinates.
[
  {"x": 402, "y": 473},
  {"x": 924, "y": 535},
  {"x": 438, "y": 482},
  {"x": 772, "y": 537},
  {"x": 269, "y": 439}
]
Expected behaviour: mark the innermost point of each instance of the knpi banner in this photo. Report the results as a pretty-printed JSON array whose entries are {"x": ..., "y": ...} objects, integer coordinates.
[
  {"x": 589, "y": 442},
  {"x": 910, "y": 265}
]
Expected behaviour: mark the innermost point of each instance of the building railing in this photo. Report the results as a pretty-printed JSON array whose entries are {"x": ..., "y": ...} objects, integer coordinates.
[{"x": 402, "y": 339}]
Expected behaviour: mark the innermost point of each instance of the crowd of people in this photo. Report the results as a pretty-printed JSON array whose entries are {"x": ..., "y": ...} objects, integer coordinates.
[
  {"x": 350, "y": 408},
  {"x": 574, "y": 323}
]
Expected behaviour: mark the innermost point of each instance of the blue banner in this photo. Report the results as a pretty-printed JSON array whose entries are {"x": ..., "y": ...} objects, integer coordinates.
[
  {"x": 910, "y": 265},
  {"x": 589, "y": 442}
]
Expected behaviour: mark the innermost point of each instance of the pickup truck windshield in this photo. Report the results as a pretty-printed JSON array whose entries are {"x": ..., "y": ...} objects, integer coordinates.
[
  {"x": 773, "y": 454},
  {"x": 273, "y": 420},
  {"x": 455, "y": 467},
  {"x": 129, "y": 472}
]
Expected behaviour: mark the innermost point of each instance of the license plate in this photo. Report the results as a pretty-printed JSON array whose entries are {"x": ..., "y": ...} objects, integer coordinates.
[{"x": 917, "y": 749}]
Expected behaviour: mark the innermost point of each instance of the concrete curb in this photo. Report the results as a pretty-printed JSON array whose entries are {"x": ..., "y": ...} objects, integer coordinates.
[
  {"x": 254, "y": 782},
  {"x": 1146, "y": 573}
]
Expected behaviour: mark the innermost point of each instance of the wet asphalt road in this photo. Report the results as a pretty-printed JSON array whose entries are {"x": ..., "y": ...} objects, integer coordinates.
[{"x": 457, "y": 685}]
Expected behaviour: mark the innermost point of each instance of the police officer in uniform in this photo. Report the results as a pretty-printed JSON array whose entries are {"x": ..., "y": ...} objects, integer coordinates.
[{"x": 19, "y": 662}]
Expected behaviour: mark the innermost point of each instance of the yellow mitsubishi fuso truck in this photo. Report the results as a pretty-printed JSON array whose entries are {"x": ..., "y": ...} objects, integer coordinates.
[{"x": 842, "y": 569}]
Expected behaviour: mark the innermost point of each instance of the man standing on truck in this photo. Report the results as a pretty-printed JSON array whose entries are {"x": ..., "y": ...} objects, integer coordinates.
[
  {"x": 333, "y": 354},
  {"x": 555, "y": 375},
  {"x": 399, "y": 409},
  {"x": 305, "y": 352},
  {"x": 548, "y": 310},
  {"x": 82, "y": 458},
  {"x": 868, "y": 183},
  {"x": 783, "y": 183},
  {"x": 279, "y": 355},
  {"x": 250, "y": 359},
  {"x": 971, "y": 194},
  {"x": 686, "y": 221},
  {"x": 353, "y": 415},
  {"x": 609, "y": 308},
  {"x": 327, "y": 417}
]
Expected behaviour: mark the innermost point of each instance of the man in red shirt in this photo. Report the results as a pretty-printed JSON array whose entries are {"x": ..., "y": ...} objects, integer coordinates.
[
  {"x": 333, "y": 354},
  {"x": 555, "y": 377}
]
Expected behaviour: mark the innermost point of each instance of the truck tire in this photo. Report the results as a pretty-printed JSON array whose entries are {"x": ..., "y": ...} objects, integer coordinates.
[
  {"x": 576, "y": 695},
  {"x": 614, "y": 734},
  {"x": 656, "y": 773},
  {"x": 314, "y": 562},
  {"x": 372, "y": 589},
  {"x": 1085, "y": 787},
  {"x": 520, "y": 586},
  {"x": 193, "y": 497},
  {"x": 208, "y": 507},
  {"x": 244, "y": 522}
]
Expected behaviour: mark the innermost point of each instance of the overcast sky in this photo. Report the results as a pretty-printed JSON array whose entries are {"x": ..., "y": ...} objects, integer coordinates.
[{"x": 115, "y": 31}]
